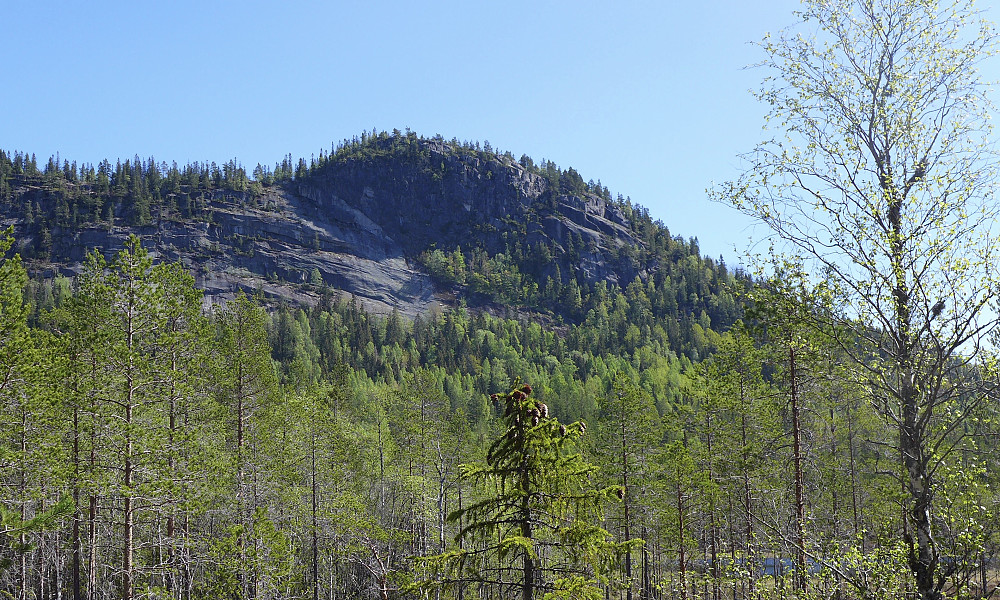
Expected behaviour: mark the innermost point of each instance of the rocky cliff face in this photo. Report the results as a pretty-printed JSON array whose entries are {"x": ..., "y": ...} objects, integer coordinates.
[
  {"x": 359, "y": 223},
  {"x": 436, "y": 196}
]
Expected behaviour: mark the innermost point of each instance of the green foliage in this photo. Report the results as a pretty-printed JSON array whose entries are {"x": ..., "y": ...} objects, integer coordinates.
[
  {"x": 13, "y": 309},
  {"x": 685, "y": 296},
  {"x": 15, "y": 529},
  {"x": 136, "y": 334},
  {"x": 135, "y": 193},
  {"x": 341, "y": 431},
  {"x": 269, "y": 562},
  {"x": 538, "y": 509},
  {"x": 882, "y": 177}
]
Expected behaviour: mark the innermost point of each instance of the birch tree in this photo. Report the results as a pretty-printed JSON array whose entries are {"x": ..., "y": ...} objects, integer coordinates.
[{"x": 880, "y": 173}]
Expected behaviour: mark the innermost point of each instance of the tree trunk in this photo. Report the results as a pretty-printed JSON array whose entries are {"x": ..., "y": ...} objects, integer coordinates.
[
  {"x": 171, "y": 573},
  {"x": 527, "y": 563},
  {"x": 92, "y": 540},
  {"x": 127, "y": 565},
  {"x": 315, "y": 522},
  {"x": 854, "y": 477},
  {"x": 800, "y": 516},
  {"x": 76, "y": 504},
  {"x": 751, "y": 556},
  {"x": 681, "y": 559},
  {"x": 712, "y": 528},
  {"x": 92, "y": 509},
  {"x": 923, "y": 557},
  {"x": 242, "y": 504},
  {"x": 41, "y": 553},
  {"x": 834, "y": 496},
  {"x": 626, "y": 500},
  {"x": 645, "y": 566},
  {"x": 461, "y": 540},
  {"x": 23, "y": 497}
]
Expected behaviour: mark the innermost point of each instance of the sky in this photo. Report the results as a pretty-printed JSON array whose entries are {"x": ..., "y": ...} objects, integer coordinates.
[{"x": 652, "y": 98}]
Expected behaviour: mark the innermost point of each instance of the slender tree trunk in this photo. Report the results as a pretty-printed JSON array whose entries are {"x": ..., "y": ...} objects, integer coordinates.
[
  {"x": 834, "y": 495},
  {"x": 176, "y": 460},
  {"x": 128, "y": 566},
  {"x": 527, "y": 563},
  {"x": 854, "y": 477},
  {"x": 732, "y": 537},
  {"x": 92, "y": 530},
  {"x": 423, "y": 475},
  {"x": 23, "y": 561},
  {"x": 242, "y": 504},
  {"x": 315, "y": 521},
  {"x": 442, "y": 510},
  {"x": 713, "y": 528},
  {"x": 800, "y": 516},
  {"x": 76, "y": 504},
  {"x": 681, "y": 559},
  {"x": 381, "y": 466},
  {"x": 172, "y": 417},
  {"x": 92, "y": 499},
  {"x": 626, "y": 500},
  {"x": 645, "y": 565},
  {"x": 751, "y": 554},
  {"x": 442, "y": 505},
  {"x": 129, "y": 541},
  {"x": 186, "y": 560},
  {"x": 461, "y": 544},
  {"x": 41, "y": 553}
]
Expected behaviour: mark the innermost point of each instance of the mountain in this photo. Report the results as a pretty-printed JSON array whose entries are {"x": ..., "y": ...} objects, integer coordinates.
[
  {"x": 396, "y": 220},
  {"x": 351, "y": 427}
]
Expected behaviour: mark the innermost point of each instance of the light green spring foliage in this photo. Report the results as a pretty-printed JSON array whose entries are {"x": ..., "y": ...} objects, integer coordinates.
[
  {"x": 880, "y": 175},
  {"x": 878, "y": 112},
  {"x": 383, "y": 454},
  {"x": 380, "y": 456}
]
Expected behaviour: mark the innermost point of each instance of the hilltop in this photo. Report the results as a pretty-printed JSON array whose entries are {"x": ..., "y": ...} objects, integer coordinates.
[{"x": 398, "y": 221}]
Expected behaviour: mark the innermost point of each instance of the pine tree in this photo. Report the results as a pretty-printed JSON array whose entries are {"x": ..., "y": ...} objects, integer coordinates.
[
  {"x": 137, "y": 323},
  {"x": 629, "y": 432},
  {"x": 247, "y": 385},
  {"x": 32, "y": 461}
]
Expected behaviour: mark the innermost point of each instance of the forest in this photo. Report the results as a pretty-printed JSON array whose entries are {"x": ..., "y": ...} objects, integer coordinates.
[
  {"x": 155, "y": 450},
  {"x": 820, "y": 425}
]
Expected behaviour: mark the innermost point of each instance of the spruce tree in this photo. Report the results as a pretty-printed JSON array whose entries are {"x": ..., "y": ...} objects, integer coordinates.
[{"x": 534, "y": 529}]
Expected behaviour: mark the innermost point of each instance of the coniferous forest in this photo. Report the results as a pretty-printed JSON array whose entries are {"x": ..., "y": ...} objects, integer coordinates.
[{"x": 584, "y": 415}]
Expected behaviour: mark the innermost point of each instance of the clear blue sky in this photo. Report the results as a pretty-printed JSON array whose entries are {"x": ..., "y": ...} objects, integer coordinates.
[{"x": 651, "y": 97}]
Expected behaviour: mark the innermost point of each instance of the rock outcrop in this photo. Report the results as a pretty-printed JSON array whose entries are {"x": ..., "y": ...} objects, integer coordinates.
[{"x": 358, "y": 224}]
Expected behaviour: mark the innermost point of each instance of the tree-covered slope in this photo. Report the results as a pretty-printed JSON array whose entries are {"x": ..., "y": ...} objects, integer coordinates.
[{"x": 396, "y": 220}]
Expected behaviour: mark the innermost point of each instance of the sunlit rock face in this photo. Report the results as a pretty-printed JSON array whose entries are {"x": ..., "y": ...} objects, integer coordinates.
[{"x": 359, "y": 224}]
